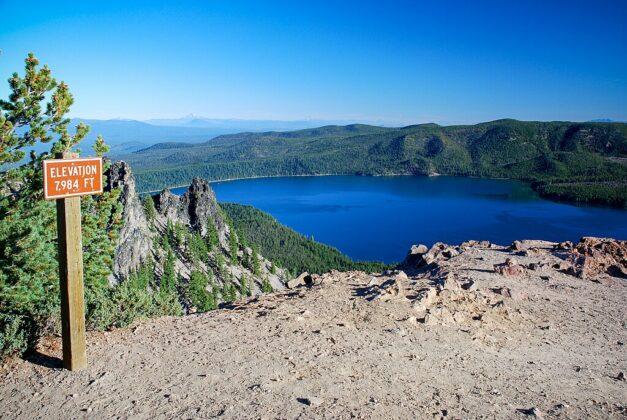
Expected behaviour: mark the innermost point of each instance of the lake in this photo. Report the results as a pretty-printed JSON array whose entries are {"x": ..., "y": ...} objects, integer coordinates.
[{"x": 379, "y": 218}]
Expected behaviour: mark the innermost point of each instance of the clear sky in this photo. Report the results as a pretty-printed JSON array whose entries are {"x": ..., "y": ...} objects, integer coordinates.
[{"x": 388, "y": 61}]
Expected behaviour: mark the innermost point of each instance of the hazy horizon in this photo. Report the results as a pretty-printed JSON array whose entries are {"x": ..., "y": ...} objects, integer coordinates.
[{"x": 162, "y": 121}]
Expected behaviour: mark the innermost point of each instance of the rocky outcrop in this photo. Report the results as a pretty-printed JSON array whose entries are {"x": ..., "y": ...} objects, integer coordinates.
[
  {"x": 482, "y": 282},
  {"x": 594, "y": 256},
  {"x": 304, "y": 279},
  {"x": 414, "y": 256},
  {"x": 135, "y": 240},
  {"x": 510, "y": 268},
  {"x": 419, "y": 256},
  {"x": 194, "y": 209}
]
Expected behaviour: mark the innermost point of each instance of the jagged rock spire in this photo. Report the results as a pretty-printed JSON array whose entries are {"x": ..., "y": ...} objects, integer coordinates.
[
  {"x": 194, "y": 208},
  {"x": 135, "y": 240}
]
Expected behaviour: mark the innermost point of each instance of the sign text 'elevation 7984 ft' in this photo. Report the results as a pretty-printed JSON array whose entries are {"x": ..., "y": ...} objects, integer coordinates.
[{"x": 65, "y": 178}]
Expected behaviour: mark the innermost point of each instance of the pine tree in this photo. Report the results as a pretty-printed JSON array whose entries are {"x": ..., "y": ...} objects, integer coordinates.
[
  {"x": 212, "y": 236},
  {"x": 168, "y": 278},
  {"x": 169, "y": 233},
  {"x": 197, "y": 249},
  {"x": 180, "y": 233},
  {"x": 29, "y": 292},
  {"x": 242, "y": 238},
  {"x": 256, "y": 265},
  {"x": 220, "y": 265},
  {"x": 198, "y": 294},
  {"x": 233, "y": 248},
  {"x": 266, "y": 286},
  {"x": 149, "y": 208},
  {"x": 229, "y": 293},
  {"x": 244, "y": 286}
]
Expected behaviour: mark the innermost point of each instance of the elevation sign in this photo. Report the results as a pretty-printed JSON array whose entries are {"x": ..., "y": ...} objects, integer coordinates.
[{"x": 65, "y": 178}]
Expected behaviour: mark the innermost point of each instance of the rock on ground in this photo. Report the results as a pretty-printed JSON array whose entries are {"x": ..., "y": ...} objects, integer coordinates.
[{"x": 451, "y": 338}]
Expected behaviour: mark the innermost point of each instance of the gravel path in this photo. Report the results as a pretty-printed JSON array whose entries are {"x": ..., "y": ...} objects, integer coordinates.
[{"x": 353, "y": 346}]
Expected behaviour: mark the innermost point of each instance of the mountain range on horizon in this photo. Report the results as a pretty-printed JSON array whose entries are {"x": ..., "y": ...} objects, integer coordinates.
[{"x": 130, "y": 135}]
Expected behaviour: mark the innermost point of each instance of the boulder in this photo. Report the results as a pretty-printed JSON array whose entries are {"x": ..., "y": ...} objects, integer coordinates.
[
  {"x": 503, "y": 291},
  {"x": 414, "y": 255},
  {"x": 516, "y": 246},
  {"x": 448, "y": 281},
  {"x": 425, "y": 297},
  {"x": 510, "y": 268},
  {"x": 401, "y": 276},
  {"x": 567, "y": 245},
  {"x": 423, "y": 301},
  {"x": 439, "y": 252},
  {"x": 302, "y": 280},
  {"x": 440, "y": 315},
  {"x": 594, "y": 256},
  {"x": 392, "y": 288},
  {"x": 468, "y": 244}
]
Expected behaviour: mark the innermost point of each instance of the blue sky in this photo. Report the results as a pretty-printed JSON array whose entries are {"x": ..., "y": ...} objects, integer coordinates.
[{"x": 384, "y": 61}]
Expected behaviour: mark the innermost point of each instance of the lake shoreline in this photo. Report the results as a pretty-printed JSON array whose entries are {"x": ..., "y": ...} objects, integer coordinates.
[
  {"x": 379, "y": 218},
  {"x": 317, "y": 175},
  {"x": 552, "y": 197}
]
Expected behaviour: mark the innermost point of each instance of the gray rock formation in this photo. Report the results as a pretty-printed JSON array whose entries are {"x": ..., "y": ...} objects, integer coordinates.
[
  {"x": 194, "y": 208},
  {"x": 135, "y": 240}
]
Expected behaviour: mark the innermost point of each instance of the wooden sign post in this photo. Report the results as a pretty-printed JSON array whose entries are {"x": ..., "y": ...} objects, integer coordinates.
[{"x": 65, "y": 180}]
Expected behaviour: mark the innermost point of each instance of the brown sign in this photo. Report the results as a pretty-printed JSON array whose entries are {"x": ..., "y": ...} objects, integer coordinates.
[{"x": 65, "y": 178}]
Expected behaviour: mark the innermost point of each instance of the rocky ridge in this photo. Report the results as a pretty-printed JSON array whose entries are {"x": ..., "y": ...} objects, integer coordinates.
[
  {"x": 194, "y": 210},
  {"x": 134, "y": 244}
]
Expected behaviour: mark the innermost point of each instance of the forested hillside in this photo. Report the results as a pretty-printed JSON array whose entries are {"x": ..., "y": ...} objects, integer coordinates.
[
  {"x": 574, "y": 161},
  {"x": 289, "y": 248}
]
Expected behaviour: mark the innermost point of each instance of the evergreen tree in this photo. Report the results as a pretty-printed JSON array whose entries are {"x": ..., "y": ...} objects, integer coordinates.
[
  {"x": 149, "y": 208},
  {"x": 256, "y": 265},
  {"x": 170, "y": 235},
  {"x": 266, "y": 287},
  {"x": 29, "y": 291},
  {"x": 233, "y": 247},
  {"x": 198, "y": 294},
  {"x": 212, "y": 236},
  {"x": 168, "y": 278},
  {"x": 229, "y": 292},
  {"x": 197, "y": 248},
  {"x": 180, "y": 233},
  {"x": 220, "y": 265},
  {"x": 244, "y": 286}
]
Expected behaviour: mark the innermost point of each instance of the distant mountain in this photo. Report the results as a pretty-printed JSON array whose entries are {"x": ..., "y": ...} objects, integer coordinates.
[
  {"x": 606, "y": 120},
  {"x": 575, "y": 161},
  {"x": 125, "y": 136},
  {"x": 239, "y": 125}
]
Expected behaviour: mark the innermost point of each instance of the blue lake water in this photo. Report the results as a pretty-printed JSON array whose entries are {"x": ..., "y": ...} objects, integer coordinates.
[{"x": 379, "y": 218}]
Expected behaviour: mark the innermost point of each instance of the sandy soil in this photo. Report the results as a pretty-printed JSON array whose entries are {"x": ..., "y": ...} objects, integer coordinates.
[{"x": 453, "y": 340}]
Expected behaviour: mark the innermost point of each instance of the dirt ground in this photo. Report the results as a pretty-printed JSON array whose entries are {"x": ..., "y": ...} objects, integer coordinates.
[{"x": 454, "y": 340}]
